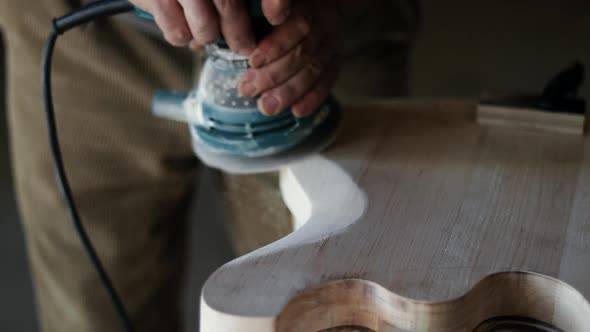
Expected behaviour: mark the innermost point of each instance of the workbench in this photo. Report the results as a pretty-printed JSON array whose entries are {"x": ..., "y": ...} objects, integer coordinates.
[{"x": 419, "y": 219}]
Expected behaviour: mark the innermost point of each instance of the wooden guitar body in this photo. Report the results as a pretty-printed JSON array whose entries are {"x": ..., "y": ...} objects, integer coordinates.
[{"x": 419, "y": 219}]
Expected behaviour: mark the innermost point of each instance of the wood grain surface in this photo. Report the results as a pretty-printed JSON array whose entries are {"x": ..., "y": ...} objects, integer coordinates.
[{"x": 419, "y": 219}]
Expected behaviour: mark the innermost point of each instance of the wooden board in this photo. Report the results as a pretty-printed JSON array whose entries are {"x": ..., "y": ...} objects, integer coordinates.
[
  {"x": 531, "y": 119},
  {"x": 418, "y": 219}
]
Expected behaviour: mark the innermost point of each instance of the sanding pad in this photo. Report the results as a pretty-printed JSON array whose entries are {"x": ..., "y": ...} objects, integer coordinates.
[{"x": 322, "y": 136}]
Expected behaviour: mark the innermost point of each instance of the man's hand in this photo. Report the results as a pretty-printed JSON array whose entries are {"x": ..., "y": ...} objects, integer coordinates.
[
  {"x": 296, "y": 66},
  {"x": 200, "y": 22}
]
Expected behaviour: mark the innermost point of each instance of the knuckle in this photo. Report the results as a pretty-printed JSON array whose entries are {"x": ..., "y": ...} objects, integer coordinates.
[
  {"x": 296, "y": 58},
  {"x": 271, "y": 78},
  {"x": 205, "y": 36},
  {"x": 275, "y": 6},
  {"x": 288, "y": 92},
  {"x": 227, "y": 7},
  {"x": 239, "y": 42},
  {"x": 177, "y": 37},
  {"x": 205, "y": 39},
  {"x": 204, "y": 23},
  {"x": 276, "y": 50},
  {"x": 238, "y": 39},
  {"x": 303, "y": 25},
  {"x": 310, "y": 102},
  {"x": 314, "y": 69},
  {"x": 165, "y": 4},
  {"x": 273, "y": 47},
  {"x": 205, "y": 33},
  {"x": 304, "y": 108},
  {"x": 278, "y": 11},
  {"x": 300, "y": 54}
]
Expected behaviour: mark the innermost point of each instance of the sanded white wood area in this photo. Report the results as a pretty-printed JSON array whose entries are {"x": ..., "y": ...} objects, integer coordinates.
[{"x": 419, "y": 219}]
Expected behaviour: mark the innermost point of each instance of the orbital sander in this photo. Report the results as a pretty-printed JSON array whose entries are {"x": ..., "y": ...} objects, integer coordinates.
[{"x": 228, "y": 131}]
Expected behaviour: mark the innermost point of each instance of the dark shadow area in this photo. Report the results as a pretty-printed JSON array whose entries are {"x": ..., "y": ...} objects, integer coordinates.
[
  {"x": 209, "y": 245},
  {"x": 17, "y": 309}
]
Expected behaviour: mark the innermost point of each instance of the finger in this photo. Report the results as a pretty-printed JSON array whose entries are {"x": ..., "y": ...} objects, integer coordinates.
[
  {"x": 283, "y": 96},
  {"x": 314, "y": 98},
  {"x": 170, "y": 18},
  {"x": 202, "y": 20},
  {"x": 236, "y": 26},
  {"x": 276, "y": 11},
  {"x": 196, "y": 47},
  {"x": 257, "y": 81},
  {"x": 283, "y": 39}
]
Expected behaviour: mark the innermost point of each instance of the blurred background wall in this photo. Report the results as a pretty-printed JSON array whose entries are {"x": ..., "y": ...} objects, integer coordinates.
[{"x": 464, "y": 46}]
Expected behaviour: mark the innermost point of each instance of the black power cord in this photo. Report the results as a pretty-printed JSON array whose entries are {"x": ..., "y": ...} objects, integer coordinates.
[{"x": 95, "y": 10}]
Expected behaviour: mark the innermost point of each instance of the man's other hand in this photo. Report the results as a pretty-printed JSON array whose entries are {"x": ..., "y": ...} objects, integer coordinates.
[{"x": 297, "y": 65}]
